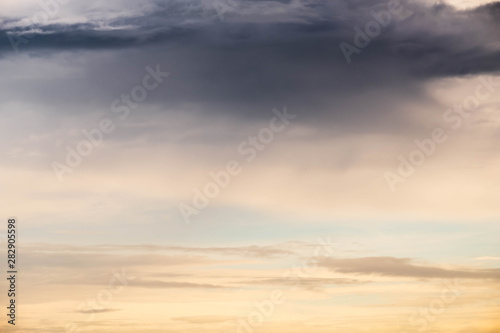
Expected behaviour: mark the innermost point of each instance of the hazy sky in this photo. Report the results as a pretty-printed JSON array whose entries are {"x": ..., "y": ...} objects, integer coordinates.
[{"x": 368, "y": 125}]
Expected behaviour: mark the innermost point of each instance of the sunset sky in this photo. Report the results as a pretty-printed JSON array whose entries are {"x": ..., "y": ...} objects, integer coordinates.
[{"x": 301, "y": 166}]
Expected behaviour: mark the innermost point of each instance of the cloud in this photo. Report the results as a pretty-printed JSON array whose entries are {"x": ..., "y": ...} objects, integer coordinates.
[
  {"x": 403, "y": 267},
  {"x": 243, "y": 251},
  {"x": 98, "y": 310},
  {"x": 81, "y": 260},
  {"x": 425, "y": 41},
  {"x": 204, "y": 319},
  {"x": 309, "y": 283},
  {"x": 487, "y": 258},
  {"x": 158, "y": 284},
  {"x": 243, "y": 66}
]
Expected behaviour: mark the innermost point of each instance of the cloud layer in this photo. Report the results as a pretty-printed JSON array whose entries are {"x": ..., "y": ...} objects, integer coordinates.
[{"x": 268, "y": 52}]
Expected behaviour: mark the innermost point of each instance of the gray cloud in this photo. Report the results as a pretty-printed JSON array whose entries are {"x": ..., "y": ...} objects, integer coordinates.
[
  {"x": 244, "y": 65},
  {"x": 434, "y": 40}
]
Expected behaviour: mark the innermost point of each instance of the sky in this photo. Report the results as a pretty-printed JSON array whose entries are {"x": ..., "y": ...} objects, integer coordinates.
[{"x": 251, "y": 166}]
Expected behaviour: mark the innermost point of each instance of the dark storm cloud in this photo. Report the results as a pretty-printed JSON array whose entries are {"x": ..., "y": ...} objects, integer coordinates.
[
  {"x": 264, "y": 54},
  {"x": 432, "y": 40},
  {"x": 83, "y": 36}
]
